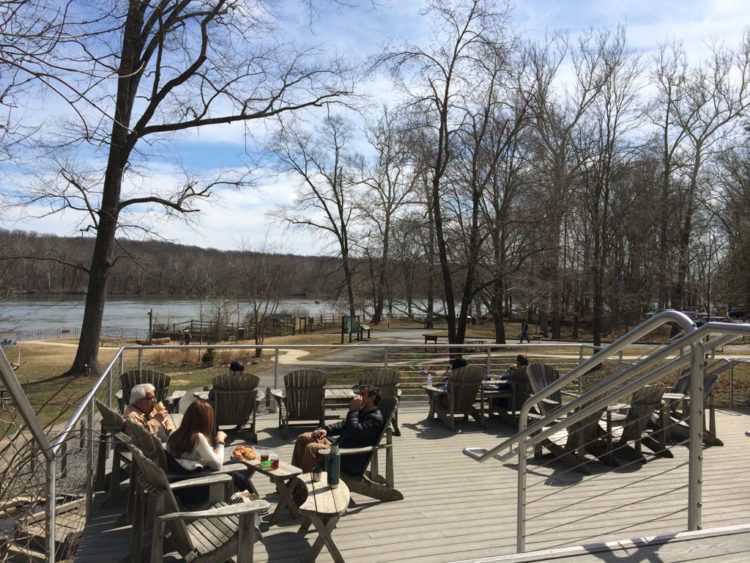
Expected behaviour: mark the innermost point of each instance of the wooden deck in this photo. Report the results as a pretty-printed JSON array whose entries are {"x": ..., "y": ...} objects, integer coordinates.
[{"x": 458, "y": 509}]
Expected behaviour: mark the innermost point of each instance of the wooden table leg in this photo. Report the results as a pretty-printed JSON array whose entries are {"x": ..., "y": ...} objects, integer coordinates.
[
  {"x": 285, "y": 500},
  {"x": 325, "y": 527}
]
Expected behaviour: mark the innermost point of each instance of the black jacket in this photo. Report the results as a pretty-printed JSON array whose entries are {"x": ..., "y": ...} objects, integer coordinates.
[{"x": 358, "y": 430}]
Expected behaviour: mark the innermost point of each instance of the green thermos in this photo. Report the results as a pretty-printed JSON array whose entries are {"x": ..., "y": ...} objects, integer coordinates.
[{"x": 334, "y": 467}]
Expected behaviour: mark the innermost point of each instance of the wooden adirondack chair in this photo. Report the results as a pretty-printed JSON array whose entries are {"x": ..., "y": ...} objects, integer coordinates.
[
  {"x": 159, "y": 380},
  {"x": 113, "y": 424},
  {"x": 151, "y": 447},
  {"x": 678, "y": 428},
  {"x": 582, "y": 437},
  {"x": 303, "y": 398},
  {"x": 387, "y": 380},
  {"x": 371, "y": 483},
  {"x": 463, "y": 386},
  {"x": 216, "y": 534},
  {"x": 236, "y": 400},
  {"x": 645, "y": 403}
]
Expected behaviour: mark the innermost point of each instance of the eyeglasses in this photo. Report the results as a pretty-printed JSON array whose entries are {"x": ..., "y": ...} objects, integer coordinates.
[{"x": 149, "y": 399}]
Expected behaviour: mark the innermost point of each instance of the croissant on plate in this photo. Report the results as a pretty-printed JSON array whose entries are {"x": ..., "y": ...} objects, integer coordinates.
[{"x": 244, "y": 452}]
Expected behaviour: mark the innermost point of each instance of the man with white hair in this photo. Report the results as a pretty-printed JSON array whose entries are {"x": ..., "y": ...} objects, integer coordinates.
[{"x": 143, "y": 410}]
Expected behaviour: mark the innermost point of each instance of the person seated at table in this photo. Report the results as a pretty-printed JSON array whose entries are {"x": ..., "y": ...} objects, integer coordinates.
[
  {"x": 457, "y": 363},
  {"x": 515, "y": 374},
  {"x": 144, "y": 410},
  {"x": 194, "y": 447},
  {"x": 362, "y": 426}
]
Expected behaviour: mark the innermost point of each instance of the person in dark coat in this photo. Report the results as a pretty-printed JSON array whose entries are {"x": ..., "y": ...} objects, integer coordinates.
[{"x": 362, "y": 426}]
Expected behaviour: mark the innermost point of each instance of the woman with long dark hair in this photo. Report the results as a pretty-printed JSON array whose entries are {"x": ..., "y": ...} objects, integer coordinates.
[
  {"x": 193, "y": 447},
  {"x": 193, "y": 444}
]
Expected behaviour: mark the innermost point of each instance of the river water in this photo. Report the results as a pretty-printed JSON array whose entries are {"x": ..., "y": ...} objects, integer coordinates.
[{"x": 130, "y": 316}]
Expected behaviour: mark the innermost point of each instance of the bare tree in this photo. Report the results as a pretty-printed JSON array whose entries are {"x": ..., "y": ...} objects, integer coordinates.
[
  {"x": 329, "y": 175},
  {"x": 178, "y": 65},
  {"x": 468, "y": 30},
  {"x": 602, "y": 153},
  {"x": 557, "y": 119},
  {"x": 391, "y": 182},
  {"x": 714, "y": 96}
]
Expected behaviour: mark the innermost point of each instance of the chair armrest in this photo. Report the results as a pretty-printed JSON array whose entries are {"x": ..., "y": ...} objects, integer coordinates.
[
  {"x": 432, "y": 389},
  {"x": 261, "y": 396},
  {"x": 201, "y": 481},
  {"x": 279, "y": 395},
  {"x": 122, "y": 437},
  {"x": 221, "y": 512}
]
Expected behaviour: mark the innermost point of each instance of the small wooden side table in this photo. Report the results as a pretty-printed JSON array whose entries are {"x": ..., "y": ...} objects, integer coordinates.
[{"x": 323, "y": 508}]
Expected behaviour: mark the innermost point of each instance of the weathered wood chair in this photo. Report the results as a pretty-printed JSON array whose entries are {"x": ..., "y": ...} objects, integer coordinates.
[
  {"x": 371, "y": 483},
  {"x": 679, "y": 411},
  {"x": 216, "y": 534},
  {"x": 151, "y": 447},
  {"x": 112, "y": 426},
  {"x": 644, "y": 406},
  {"x": 159, "y": 380},
  {"x": 236, "y": 401},
  {"x": 387, "y": 380},
  {"x": 303, "y": 398},
  {"x": 461, "y": 396},
  {"x": 572, "y": 443}
]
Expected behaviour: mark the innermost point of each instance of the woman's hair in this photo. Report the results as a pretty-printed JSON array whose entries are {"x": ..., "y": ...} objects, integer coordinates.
[
  {"x": 199, "y": 417},
  {"x": 522, "y": 360},
  {"x": 139, "y": 391}
]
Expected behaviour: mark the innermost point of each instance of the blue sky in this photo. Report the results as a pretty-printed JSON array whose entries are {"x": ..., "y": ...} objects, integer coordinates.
[{"x": 238, "y": 219}]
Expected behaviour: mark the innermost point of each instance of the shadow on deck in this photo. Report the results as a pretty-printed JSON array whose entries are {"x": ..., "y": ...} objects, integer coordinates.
[{"x": 457, "y": 509}]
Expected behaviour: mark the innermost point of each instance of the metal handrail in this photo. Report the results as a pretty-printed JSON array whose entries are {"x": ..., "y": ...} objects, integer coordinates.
[
  {"x": 481, "y": 454},
  {"x": 700, "y": 340}
]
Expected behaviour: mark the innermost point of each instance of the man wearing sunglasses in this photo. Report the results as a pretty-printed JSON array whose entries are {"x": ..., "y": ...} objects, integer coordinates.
[
  {"x": 144, "y": 411},
  {"x": 362, "y": 427}
]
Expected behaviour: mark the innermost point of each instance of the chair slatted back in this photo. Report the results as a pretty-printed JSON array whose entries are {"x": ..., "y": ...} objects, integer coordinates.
[
  {"x": 541, "y": 376},
  {"x": 154, "y": 475},
  {"x": 586, "y": 431},
  {"x": 643, "y": 404},
  {"x": 112, "y": 421},
  {"x": 131, "y": 378},
  {"x": 387, "y": 406},
  {"x": 463, "y": 386},
  {"x": 235, "y": 396},
  {"x": 305, "y": 394},
  {"x": 148, "y": 444},
  {"x": 520, "y": 385},
  {"x": 385, "y": 379}
]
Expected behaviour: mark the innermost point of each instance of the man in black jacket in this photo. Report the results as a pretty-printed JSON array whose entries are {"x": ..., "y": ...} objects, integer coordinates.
[{"x": 362, "y": 427}]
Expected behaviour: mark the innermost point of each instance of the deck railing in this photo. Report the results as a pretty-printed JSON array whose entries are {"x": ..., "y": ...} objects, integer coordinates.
[
  {"x": 70, "y": 458},
  {"x": 690, "y": 350}
]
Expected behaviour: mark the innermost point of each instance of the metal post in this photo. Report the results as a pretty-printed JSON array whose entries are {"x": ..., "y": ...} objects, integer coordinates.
[
  {"x": 49, "y": 519},
  {"x": 580, "y": 353},
  {"x": 521, "y": 495},
  {"x": 385, "y": 358},
  {"x": 140, "y": 359},
  {"x": 695, "y": 470},
  {"x": 489, "y": 361},
  {"x": 90, "y": 458},
  {"x": 276, "y": 369},
  {"x": 731, "y": 385}
]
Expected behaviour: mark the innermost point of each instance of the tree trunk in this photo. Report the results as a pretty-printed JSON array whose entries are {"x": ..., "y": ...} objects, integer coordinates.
[{"x": 87, "y": 356}]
